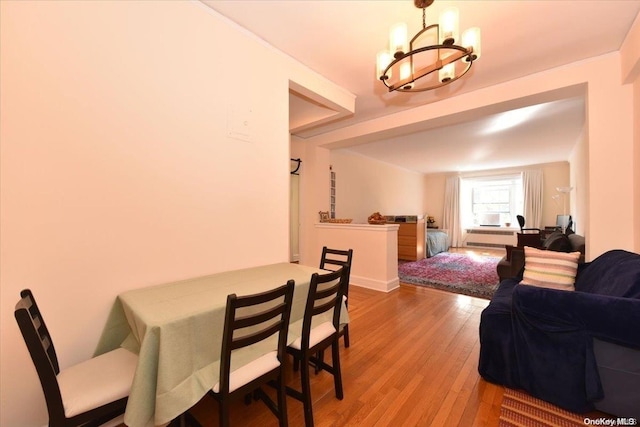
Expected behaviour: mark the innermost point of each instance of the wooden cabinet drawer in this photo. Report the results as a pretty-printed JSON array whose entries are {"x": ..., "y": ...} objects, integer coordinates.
[
  {"x": 407, "y": 253},
  {"x": 407, "y": 230},
  {"x": 407, "y": 241}
]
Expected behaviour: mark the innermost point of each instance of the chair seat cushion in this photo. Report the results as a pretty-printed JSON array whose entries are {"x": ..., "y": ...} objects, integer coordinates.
[
  {"x": 98, "y": 381},
  {"x": 320, "y": 332},
  {"x": 251, "y": 371}
]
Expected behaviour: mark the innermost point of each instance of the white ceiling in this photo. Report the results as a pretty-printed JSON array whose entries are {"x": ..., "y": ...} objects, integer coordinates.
[{"x": 340, "y": 39}]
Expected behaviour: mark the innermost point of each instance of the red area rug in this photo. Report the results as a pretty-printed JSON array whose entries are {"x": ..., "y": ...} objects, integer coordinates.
[
  {"x": 520, "y": 409},
  {"x": 454, "y": 272}
]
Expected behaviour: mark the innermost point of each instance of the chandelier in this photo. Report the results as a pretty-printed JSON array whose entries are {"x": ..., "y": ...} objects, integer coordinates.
[{"x": 407, "y": 61}]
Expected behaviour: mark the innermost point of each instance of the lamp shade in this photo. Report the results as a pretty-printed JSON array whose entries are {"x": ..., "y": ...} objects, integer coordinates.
[
  {"x": 471, "y": 38},
  {"x": 564, "y": 189},
  {"x": 383, "y": 59},
  {"x": 447, "y": 72},
  {"x": 398, "y": 40},
  {"x": 449, "y": 26},
  {"x": 406, "y": 72}
]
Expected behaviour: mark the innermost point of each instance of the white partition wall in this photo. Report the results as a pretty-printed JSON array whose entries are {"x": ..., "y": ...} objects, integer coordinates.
[{"x": 375, "y": 252}]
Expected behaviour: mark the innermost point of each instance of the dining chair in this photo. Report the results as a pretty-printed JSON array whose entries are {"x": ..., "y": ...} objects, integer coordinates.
[
  {"x": 331, "y": 260},
  {"x": 521, "y": 222},
  {"x": 263, "y": 315},
  {"x": 87, "y": 394},
  {"x": 325, "y": 294}
]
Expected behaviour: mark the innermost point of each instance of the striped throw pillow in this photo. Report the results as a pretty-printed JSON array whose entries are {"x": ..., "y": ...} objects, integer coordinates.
[{"x": 550, "y": 269}]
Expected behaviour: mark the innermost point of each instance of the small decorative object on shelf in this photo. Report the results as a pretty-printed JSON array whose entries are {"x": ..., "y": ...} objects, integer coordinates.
[
  {"x": 377, "y": 218},
  {"x": 431, "y": 222},
  {"x": 324, "y": 217}
]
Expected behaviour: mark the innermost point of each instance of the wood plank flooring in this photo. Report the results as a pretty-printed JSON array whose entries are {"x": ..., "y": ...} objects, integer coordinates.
[{"x": 412, "y": 362}]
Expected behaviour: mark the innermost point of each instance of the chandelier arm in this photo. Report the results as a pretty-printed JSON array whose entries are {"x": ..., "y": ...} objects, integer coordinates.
[
  {"x": 421, "y": 32},
  {"x": 436, "y": 86},
  {"x": 463, "y": 52}
]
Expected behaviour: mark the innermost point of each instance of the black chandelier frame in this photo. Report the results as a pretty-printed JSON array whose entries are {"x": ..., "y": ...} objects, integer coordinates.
[{"x": 460, "y": 52}]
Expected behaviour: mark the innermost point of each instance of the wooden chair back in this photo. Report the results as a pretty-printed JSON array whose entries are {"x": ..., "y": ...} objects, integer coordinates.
[
  {"x": 43, "y": 354},
  {"x": 272, "y": 318},
  {"x": 325, "y": 293}
]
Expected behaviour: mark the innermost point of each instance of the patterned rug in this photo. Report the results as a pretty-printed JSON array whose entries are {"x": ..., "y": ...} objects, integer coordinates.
[
  {"x": 472, "y": 275},
  {"x": 522, "y": 410}
]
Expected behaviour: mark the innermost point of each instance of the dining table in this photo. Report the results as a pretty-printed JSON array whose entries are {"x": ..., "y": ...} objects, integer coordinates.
[{"x": 176, "y": 330}]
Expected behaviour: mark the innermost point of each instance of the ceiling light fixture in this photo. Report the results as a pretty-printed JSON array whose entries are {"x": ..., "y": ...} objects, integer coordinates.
[{"x": 410, "y": 61}]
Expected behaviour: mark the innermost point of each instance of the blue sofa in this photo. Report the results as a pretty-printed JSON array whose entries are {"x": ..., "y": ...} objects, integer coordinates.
[{"x": 578, "y": 349}]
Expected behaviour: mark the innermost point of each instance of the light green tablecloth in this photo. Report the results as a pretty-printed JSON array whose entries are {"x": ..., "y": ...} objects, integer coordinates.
[{"x": 176, "y": 329}]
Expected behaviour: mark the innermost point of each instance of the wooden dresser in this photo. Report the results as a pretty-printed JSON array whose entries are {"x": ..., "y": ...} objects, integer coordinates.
[{"x": 411, "y": 240}]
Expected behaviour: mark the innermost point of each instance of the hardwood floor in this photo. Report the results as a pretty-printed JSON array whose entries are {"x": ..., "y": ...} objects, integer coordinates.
[
  {"x": 412, "y": 362},
  {"x": 480, "y": 251}
]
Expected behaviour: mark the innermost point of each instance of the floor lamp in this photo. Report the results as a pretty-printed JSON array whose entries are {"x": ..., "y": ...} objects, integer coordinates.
[{"x": 564, "y": 191}]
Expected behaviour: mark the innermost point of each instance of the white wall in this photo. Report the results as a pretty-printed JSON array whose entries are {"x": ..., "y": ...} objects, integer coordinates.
[
  {"x": 636, "y": 157},
  {"x": 435, "y": 185},
  {"x": 117, "y": 170},
  {"x": 365, "y": 186},
  {"x": 556, "y": 175},
  {"x": 630, "y": 53},
  {"x": 579, "y": 173}
]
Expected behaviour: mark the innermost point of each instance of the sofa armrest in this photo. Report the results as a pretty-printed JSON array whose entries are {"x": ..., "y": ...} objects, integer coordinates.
[
  {"x": 508, "y": 249},
  {"x": 601, "y": 316},
  {"x": 517, "y": 262},
  {"x": 553, "y": 336}
]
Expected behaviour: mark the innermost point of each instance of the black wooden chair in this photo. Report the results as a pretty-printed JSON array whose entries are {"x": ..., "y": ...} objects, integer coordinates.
[
  {"x": 264, "y": 315},
  {"x": 325, "y": 294},
  {"x": 523, "y": 230},
  {"x": 331, "y": 260},
  {"x": 87, "y": 394}
]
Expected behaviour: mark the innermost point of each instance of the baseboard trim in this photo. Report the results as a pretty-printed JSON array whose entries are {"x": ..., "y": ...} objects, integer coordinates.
[{"x": 376, "y": 285}]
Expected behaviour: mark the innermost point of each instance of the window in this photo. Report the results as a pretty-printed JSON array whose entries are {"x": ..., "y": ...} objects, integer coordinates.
[{"x": 490, "y": 201}]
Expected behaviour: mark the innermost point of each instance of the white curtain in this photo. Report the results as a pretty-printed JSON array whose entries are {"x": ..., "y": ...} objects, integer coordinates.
[
  {"x": 532, "y": 191},
  {"x": 451, "y": 219}
]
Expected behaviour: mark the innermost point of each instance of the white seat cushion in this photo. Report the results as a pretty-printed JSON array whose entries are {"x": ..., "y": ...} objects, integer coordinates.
[
  {"x": 98, "y": 381},
  {"x": 317, "y": 334},
  {"x": 251, "y": 371}
]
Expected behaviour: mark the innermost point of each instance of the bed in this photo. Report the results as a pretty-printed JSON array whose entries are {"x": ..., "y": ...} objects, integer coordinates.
[{"x": 437, "y": 241}]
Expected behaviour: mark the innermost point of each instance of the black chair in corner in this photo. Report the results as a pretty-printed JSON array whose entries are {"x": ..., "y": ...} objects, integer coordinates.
[
  {"x": 269, "y": 314},
  {"x": 87, "y": 394},
  {"x": 523, "y": 230},
  {"x": 339, "y": 259},
  {"x": 325, "y": 294}
]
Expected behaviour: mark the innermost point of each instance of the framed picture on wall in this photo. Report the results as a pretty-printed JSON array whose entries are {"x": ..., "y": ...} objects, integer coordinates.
[{"x": 324, "y": 216}]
